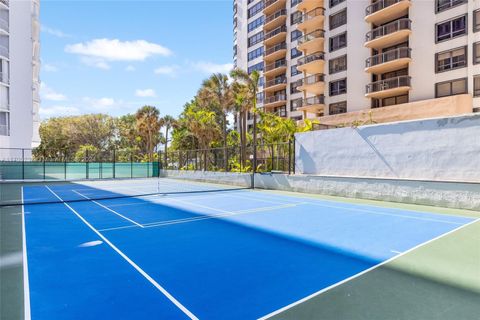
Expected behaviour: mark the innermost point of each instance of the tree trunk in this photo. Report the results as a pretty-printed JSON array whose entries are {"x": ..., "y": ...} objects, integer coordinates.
[{"x": 225, "y": 141}]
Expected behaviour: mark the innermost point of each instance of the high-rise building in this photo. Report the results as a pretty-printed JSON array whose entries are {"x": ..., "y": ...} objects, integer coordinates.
[
  {"x": 19, "y": 73},
  {"x": 339, "y": 61}
]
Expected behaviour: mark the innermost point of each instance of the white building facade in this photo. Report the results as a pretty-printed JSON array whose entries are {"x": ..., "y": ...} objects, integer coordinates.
[
  {"x": 19, "y": 73},
  {"x": 337, "y": 60}
]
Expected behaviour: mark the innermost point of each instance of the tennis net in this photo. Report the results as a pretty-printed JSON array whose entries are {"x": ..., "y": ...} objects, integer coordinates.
[{"x": 168, "y": 182}]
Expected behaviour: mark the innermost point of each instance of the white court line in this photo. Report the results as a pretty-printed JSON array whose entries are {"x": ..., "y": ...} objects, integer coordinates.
[
  {"x": 362, "y": 273},
  {"x": 26, "y": 285},
  {"x": 133, "y": 264},
  {"x": 361, "y": 210},
  {"x": 213, "y": 216},
  {"x": 105, "y": 207}
]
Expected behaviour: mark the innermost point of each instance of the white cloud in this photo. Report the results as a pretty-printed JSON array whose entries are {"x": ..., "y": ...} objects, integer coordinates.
[
  {"x": 130, "y": 68},
  {"x": 49, "y": 67},
  {"x": 145, "y": 93},
  {"x": 99, "y": 104},
  {"x": 116, "y": 50},
  {"x": 54, "y": 32},
  {"x": 48, "y": 93},
  {"x": 96, "y": 63},
  {"x": 58, "y": 111},
  {"x": 166, "y": 70},
  {"x": 209, "y": 67}
]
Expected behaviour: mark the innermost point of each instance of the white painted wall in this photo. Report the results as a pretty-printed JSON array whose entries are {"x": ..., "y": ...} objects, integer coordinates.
[{"x": 443, "y": 149}]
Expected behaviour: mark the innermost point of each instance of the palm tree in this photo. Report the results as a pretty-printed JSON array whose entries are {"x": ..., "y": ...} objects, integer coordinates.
[
  {"x": 148, "y": 123},
  {"x": 168, "y": 122},
  {"x": 251, "y": 86},
  {"x": 218, "y": 92}
]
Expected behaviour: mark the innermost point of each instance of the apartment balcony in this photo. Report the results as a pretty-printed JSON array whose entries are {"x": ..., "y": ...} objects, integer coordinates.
[
  {"x": 5, "y": 3},
  {"x": 275, "y": 20},
  {"x": 388, "y": 61},
  {"x": 388, "y": 88},
  {"x": 275, "y": 101},
  {"x": 272, "y": 6},
  {"x": 383, "y": 11},
  {"x": 275, "y": 68},
  {"x": 4, "y": 78},
  {"x": 389, "y": 34},
  {"x": 276, "y": 84},
  {"x": 4, "y": 30},
  {"x": 307, "y": 5},
  {"x": 280, "y": 111},
  {"x": 311, "y": 42},
  {"x": 312, "y": 20},
  {"x": 276, "y": 52},
  {"x": 312, "y": 63},
  {"x": 275, "y": 36},
  {"x": 314, "y": 104},
  {"x": 313, "y": 84}
]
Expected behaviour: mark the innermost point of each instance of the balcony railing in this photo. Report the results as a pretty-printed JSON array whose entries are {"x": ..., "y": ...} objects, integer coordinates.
[
  {"x": 275, "y": 65},
  {"x": 379, "y": 5},
  {"x": 5, "y": 2},
  {"x": 275, "y": 32},
  {"x": 4, "y": 24},
  {"x": 281, "y": 112},
  {"x": 312, "y": 14},
  {"x": 388, "y": 56},
  {"x": 275, "y": 98},
  {"x": 313, "y": 101},
  {"x": 310, "y": 58},
  {"x": 275, "y": 48},
  {"x": 4, "y": 51},
  {"x": 274, "y": 82},
  {"x": 311, "y": 36},
  {"x": 400, "y": 24},
  {"x": 274, "y": 16},
  {"x": 319, "y": 77},
  {"x": 391, "y": 83},
  {"x": 268, "y": 3}
]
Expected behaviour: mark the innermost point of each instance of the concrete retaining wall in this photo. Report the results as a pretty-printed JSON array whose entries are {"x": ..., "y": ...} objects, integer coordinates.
[{"x": 443, "y": 149}]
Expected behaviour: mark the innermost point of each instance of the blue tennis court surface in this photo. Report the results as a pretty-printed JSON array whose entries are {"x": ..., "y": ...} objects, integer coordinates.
[{"x": 238, "y": 254}]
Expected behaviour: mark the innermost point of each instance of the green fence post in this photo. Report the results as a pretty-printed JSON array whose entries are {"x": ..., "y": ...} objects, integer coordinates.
[
  {"x": 113, "y": 163},
  {"x": 65, "y": 165},
  {"x": 23, "y": 164},
  {"x": 44, "y": 176},
  {"x": 86, "y": 164},
  {"x": 131, "y": 166}
]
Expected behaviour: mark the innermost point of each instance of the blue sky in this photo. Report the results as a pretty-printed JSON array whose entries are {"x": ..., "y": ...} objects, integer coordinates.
[{"x": 115, "y": 56}]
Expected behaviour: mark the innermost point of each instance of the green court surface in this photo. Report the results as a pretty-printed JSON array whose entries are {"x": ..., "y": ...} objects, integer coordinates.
[{"x": 438, "y": 280}]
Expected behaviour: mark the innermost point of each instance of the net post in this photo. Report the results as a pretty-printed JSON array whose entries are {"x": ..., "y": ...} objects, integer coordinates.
[
  {"x": 113, "y": 163},
  {"x": 43, "y": 152},
  {"x": 86, "y": 164},
  {"x": 23, "y": 164}
]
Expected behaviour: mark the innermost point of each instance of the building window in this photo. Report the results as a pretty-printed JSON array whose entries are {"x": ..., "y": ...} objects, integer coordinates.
[
  {"x": 338, "y": 19},
  {"x": 295, "y": 53},
  {"x": 255, "y": 53},
  {"x": 451, "y": 29},
  {"x": 450, "y": 88},
  {"x": 294, "y": 87},
  {"x": 4, "y": 124},
  {"x": 442, "y": 5},
  {"x": 294, "y": 71},
  {"x": 255, "y": 9},
  {"x": 476, "y": 85},
  {"x": 260, "y": 97},
  {"x": 338, "y": 42},
  {"x": 337, "y": 64},
  {"x": 295, "y": 2},
  {"x": 451, "y": 59},
  {"x": 333, "y": 3},
  {"x": 391, "y": 101},
  {"x": 256, "y": 23},
  {"x": 256, "y": 67},
  {"x": 476, "y": 53},
  {"x": 295, "y": 35},
  {"x": 338, "y": 87},
  {"x": 256, "y": 38},
  {"x": 296, "y": 17},
  {"x": 476, "y": 20},
  {"x": 295, "y": 104},
  {"x": 337, "y": 108}
]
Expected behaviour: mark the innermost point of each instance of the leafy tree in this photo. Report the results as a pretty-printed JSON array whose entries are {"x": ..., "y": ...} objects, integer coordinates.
[
  {"x": 86, "y": 152},
  {"x": 168, "y": 122},
  {"x": 148, "y": 126}
]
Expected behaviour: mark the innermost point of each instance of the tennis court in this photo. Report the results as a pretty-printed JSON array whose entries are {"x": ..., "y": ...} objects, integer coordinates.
[{"x": 169, "y": 249}]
